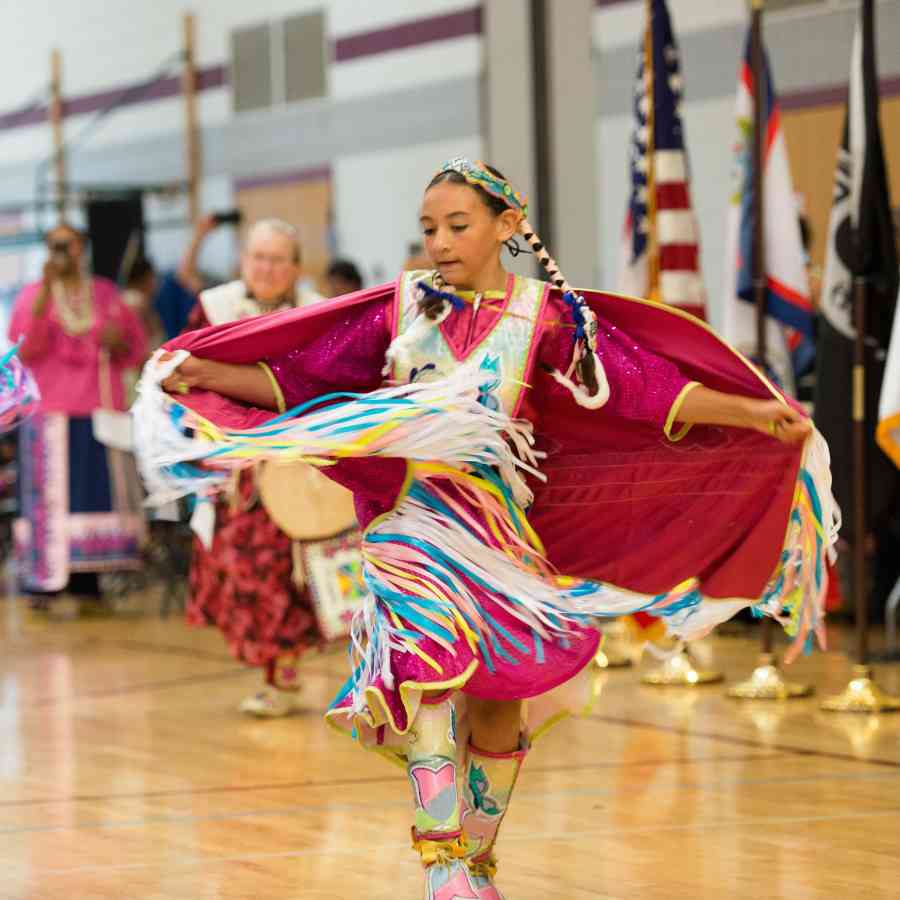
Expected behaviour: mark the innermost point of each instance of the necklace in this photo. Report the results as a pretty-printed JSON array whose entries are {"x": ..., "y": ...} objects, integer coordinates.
[
  {"x": 75, "y": 313},
  {"x": 250, "y": 306}
]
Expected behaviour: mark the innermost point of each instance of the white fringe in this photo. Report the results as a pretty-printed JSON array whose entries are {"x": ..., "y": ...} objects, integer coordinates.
[
  {"x": 817, "y": 461},
  {"x": 159, "y": 443},
  {"x": 449, "y": 425}
]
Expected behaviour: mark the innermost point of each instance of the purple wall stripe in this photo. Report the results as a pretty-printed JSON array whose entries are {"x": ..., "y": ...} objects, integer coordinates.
[
  {"x": 19, "y": 118},
  {"x": 463, "y": 23},
  {"x": 127, "y": 95},
  {"x": 315, "y": 173},
  {"x": 833, "y": 94},
  {"x": 410, "y": 34},
  {"x": 142, "y": 92}
]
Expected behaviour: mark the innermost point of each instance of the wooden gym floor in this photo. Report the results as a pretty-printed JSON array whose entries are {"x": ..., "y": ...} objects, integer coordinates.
[{"x": 125, "y": 772}]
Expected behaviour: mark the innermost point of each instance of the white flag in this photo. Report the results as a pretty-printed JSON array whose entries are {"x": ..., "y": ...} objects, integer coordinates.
[{"x": 888, "y": 431}]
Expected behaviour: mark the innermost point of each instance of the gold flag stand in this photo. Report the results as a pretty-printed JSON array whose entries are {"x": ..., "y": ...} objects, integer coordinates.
[
  {"x": 767, "y": 683},
  {"x": 679, "y": 670},
  {"x": 862, "y": 695},
  {"x": 615, "y": 650}
]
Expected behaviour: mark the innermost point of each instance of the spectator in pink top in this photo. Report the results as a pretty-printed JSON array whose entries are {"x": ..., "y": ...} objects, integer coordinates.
[{"x": 80, "y": 507}]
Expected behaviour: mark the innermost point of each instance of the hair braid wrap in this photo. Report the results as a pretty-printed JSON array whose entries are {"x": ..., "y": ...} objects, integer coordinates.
[{"x": 595, "y": 390}]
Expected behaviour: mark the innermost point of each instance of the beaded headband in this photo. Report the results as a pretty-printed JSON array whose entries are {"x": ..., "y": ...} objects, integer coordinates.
[{"x": 478, "y": 174}]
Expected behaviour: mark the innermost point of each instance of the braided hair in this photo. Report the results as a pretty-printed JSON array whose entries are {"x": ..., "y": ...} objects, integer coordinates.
[{"x": 586, "y": 325}]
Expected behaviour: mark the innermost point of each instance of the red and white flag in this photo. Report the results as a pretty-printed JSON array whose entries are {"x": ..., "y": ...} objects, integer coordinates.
[{"x": 661, "y": 242}]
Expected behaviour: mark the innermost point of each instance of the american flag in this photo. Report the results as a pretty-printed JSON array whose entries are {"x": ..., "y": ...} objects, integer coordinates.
[{"x": 661, "y": 247}]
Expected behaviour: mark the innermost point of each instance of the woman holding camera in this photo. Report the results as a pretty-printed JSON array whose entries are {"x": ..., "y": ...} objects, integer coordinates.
[{"x": 80, "y": 504}]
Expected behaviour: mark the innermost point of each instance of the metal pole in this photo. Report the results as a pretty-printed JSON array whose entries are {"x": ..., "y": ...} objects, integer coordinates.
[
  {"x": 860, "y": 290},
  {"x": 679, "y": 668},
  {"x": 192, "y": 133},
  {"x": 56, "y": 125}
]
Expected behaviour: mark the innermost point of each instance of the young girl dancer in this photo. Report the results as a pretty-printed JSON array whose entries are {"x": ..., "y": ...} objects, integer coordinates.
[{"x": 470, "y": 642}]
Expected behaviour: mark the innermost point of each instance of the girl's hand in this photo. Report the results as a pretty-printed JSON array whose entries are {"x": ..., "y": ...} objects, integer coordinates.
[
  {"x": 190, "y": 374},
  {"x": 778, "y": 420}
]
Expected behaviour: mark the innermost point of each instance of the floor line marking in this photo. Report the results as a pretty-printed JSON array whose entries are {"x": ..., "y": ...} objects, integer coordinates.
[
  {"x": 529, "y": 836},
  {"x": 137, "y": 688},
  {"x": 371, "y": 780},
  {"x": 745, "y": 742},
  {"x": 672, "y": 787}
]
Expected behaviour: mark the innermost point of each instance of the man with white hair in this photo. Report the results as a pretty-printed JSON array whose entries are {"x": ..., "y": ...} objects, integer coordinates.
[
  {"x": 270, "y": 278},
  {"x": 242, "y": 577}
]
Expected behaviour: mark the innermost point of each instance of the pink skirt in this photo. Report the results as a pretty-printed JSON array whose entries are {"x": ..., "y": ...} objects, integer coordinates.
[{"x": 420, "y": 636}]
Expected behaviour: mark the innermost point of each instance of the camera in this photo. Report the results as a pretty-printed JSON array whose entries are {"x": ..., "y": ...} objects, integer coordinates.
[{"x": 228, "y": 217}]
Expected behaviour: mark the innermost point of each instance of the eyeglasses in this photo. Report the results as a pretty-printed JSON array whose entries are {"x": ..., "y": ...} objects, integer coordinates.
[{"x": 264, "y": 259}]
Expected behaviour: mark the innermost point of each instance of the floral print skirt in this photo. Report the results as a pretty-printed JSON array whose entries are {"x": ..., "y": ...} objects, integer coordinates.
[{"x": 243, "y": 584}]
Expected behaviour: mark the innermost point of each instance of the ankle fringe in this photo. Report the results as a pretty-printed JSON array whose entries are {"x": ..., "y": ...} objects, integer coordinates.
[{"x": 438, "y": 853}]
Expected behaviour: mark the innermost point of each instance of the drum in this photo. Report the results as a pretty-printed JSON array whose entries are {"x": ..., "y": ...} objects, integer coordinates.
[
  {"x": 305, "y": 504},
  {"x": 318, "y": 515}
]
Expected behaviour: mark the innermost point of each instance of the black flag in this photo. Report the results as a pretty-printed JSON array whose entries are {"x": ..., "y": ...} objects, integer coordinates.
[{"x": 860, "y": 244}]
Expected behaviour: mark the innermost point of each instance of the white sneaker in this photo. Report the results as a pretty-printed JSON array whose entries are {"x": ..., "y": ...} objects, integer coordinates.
[{"x": 270, "y": 703}]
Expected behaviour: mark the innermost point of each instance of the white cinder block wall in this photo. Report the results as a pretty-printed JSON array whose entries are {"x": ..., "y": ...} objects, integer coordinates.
[
  {"x": 378, "y": 169},
  {"x": 390, "y": 117}
]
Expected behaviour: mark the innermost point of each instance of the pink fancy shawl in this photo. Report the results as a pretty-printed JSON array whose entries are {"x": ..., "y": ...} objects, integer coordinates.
[{"x": 622, "y": 502}]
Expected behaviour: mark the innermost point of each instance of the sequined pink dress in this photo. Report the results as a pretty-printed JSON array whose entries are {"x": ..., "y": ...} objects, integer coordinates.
[{"x": 689, "y": 526}]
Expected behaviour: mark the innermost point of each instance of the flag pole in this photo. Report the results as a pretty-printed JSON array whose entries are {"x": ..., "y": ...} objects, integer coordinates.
[
  {"x": 649, "y": 81},
  {"x": 678, "y": 668},
  {"x": 862, "y": 694},
  {"x": 860, "y": 290},
  {"x": 760, "y": 88},
  {"x": 766, "y": 681},
  {"x": 758, "y": 157}
]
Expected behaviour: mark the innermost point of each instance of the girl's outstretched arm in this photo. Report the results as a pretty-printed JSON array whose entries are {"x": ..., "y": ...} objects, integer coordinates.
[
  {"x": 703, "y": 406},
  {"x": 251, "y": 383}
]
